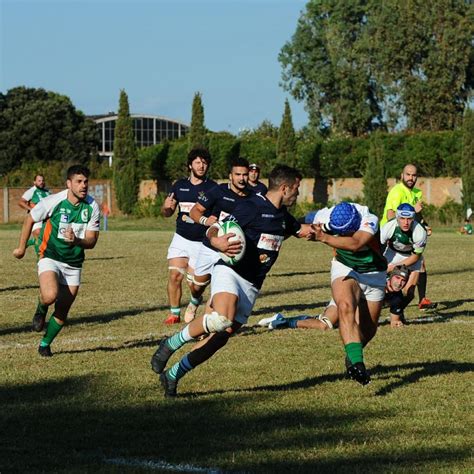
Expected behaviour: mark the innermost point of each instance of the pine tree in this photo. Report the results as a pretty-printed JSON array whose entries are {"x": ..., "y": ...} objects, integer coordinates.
[
  {"x": 286, "y": 144},
  {"x": 467, "y": 167},
  {"x": 197, "y": 132},
  {"x": 126, "y": 178},
  {"x": 375, "y": 179}
]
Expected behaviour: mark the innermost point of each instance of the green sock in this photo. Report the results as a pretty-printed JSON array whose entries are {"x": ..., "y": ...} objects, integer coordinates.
[
  {"x": 53, "y": 330},
  {"x": 354, "y": 352},
  {"x": 176, "y": 310},
  {"x": 42, "y": 308}
]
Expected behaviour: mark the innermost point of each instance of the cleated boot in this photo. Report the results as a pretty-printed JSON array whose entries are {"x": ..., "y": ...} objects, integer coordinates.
[
  {"x": 358, "y": 372},
  {"x": 172, "y": 319},
  {"x": 38, "y": 321},
  {"x": 169, "y": 385},
  {"x": 45, "y": 351},
  {"x": 161, "y": 357}
]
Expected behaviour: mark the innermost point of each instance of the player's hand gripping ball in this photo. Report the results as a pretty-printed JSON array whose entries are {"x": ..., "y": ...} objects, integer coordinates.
[{"x": 228, "y": 227}]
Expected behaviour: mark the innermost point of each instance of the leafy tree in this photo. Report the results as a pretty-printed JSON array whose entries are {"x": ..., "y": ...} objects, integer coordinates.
[
  {"x": 375, "y": 179},
  {"x": 327, "y": 65},
  {"x": 37, "y": 125},
  {"x": 467, "y": 164},
  {"x": 286, "y": 144},
  {"x": 265, "y": 129},
  {"x": 426, "y": 60},
  {"x": 197, "y": 131},
  {"x": 126, "y": 179}
]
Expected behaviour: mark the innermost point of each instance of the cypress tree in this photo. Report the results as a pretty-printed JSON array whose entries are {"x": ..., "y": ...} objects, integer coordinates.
[
  {"x": 375, "y": 179},
  {"x": 467, "y": 167},
  {"x": 126, "y": 178},
  {"x": 197, "y": 131},
  {"x": 286, "y": 143}
]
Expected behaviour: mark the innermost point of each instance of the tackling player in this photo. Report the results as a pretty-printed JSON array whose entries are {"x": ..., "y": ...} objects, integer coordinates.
[
  {"x": 187, "y": 239},
  {"x": 28, "y": 201},
  {"x": 71, "y": 225},
  {"x": 358, "y": 274},
  {"x": 265, "y": 222}
]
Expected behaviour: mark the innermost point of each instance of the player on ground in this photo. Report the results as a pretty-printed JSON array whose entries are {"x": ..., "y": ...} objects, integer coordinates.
[
  {"x": 221, "y": 201},
  {"x": 187, "y": 239},
  {"x": 28, "y": 201},
  {"x": 406, "y": 192},
  {"x": 358, "y": 274},
  {"x": 71, "y": 225},
  {"x": 405, "y": 241},
  {"x": 328, "y": 319},
  {"x": 265, "y": 222},
  {"x": 254, "y": 183}
]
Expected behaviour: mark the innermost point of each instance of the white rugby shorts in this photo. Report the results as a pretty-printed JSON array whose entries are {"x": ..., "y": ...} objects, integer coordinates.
[
  {"x": 372, "y": 284},
  {"x": 395, "y": 258},
  {"x": 184, "y": 248},
  {"x": 226, "y": 280},
  {"x": 37, "y": 226},
  {"x": 205, "y": 261},
  {"x": 67, "y": 275}
]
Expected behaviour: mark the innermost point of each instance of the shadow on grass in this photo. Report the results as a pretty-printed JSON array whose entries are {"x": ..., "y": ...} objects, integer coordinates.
[
  {"x": 68, "y": 425},
  {"x": 16, "y": 288},
  {"x": 91, "y": 319},
  {"x": 105, "y": 258},
  {"x": 290, "y": 274}
]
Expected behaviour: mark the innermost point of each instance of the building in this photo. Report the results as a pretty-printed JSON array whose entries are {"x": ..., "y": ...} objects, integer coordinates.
[{"x": 149, "y": 130}]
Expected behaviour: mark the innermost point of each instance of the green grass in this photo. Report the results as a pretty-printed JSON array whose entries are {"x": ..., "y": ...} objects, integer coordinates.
[{"x": 268, "y": 402}]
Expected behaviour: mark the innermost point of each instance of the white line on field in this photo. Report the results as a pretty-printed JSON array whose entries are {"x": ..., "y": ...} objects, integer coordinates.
[{"x": 150, "y": 464}]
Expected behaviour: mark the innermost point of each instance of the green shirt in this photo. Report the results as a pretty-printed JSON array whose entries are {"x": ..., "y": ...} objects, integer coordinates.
[
  {"x": 34, "y": 195},
  {"x": 400, "y": 194},
  {"x": 59, "y": 213}
]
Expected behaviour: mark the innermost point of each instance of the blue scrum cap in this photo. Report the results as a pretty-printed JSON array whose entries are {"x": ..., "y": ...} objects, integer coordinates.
[
  {"x": 309, "y": 218},
  {"x": 406, "y": 210},
  {"x": 344, "y": 219}
]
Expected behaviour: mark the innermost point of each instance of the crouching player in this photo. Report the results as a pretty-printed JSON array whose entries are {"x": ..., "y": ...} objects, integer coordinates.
[
  {"x": 71, "y": 225},
  {"x": 265, "y": 222},
  {"x": 328, "y": 319},
  {"x": 358, "y": 274}
]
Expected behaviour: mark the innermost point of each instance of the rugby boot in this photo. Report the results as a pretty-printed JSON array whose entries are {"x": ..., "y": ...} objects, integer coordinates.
[
  {"x": 274, "y": 322},
  {"x": 425, "y": 303},
  {"x": 190, "y": 312},
  {"x": 45, "y": 351},
  {"x": 358, "y": 372},
  {"x": 38, "y": 321},
  {"x": 161, "y": 356},
  {"x": 172, "y": 319},
  {"x": 169, "y": 385}
]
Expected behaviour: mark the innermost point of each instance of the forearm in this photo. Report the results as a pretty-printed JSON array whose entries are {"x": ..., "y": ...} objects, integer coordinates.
[
  {"x": 88, "y": 242},
  {"x": 342, "y": 242},
  {"x": 25, "y": 232},
  {"x": 167, "y": 211},
  {"x": 24, "y": 205}
]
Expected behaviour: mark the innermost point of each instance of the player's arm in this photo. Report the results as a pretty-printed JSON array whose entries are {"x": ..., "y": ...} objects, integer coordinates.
[
  {"x": 354, "y": 242},
  {"x": 412, "y": 259},
  {"x": 19, "y": 252},
  {"x": 24, "y": 204},
  {"x": 197, "y": 215},
  {"x": 169, "y": 205},
  {"x": 88, "y": 242}
]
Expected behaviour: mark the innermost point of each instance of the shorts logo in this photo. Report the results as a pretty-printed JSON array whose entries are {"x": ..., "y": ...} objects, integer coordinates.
[
  {"x": 64, "y": 218},
  {"x": 84, "y": 215}
]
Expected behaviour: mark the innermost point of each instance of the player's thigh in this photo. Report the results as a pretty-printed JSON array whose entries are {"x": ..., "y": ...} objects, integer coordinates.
[
  {"x": 225, "y": 304},
  {"x": 369, "y": 311},
  {"x": 345, "y": 292}
]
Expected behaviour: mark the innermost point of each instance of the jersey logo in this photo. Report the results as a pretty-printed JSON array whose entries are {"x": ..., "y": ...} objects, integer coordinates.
[
  {"x": 270, "y": 242},
  {"x": 202, "y": 196},
  {"x": 223, "y": 215},
  {"x": 186, "y": 206},
  {"x": 64, "y": 218},
  {"x": 84, "y": 215}
]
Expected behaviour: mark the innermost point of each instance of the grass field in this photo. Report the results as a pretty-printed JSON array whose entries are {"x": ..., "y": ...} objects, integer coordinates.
[{"x": 268, "y": 402}]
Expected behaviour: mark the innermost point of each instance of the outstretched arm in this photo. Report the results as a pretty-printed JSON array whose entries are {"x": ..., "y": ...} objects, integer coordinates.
[{"x": 19, "y": 252}]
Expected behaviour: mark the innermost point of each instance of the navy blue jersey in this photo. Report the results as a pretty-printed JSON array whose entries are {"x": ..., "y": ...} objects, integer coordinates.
[
  {"x": 395, "y": 301},
  {"x": 259, "y": 188},
  {"x": 220, "y": 201},
  {"x": 187, "y": 195},
  {"x": 265, "y": 228}
]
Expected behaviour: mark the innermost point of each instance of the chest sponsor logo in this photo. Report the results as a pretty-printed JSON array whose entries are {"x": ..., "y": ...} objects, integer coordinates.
[
  {"x": 186, "y": 207},
  {"x": 184, "y": 189},
  {"x": 268, "y": 216},
  {"x": 79, "y": 230},
  {"x": 228, "y": 199},
  {"x": 223, "y": 215},
  {"x": 270, "y": 242}
]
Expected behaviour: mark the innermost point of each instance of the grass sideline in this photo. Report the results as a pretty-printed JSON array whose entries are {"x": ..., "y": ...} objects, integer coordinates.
[{"x": 268, "y": 402}]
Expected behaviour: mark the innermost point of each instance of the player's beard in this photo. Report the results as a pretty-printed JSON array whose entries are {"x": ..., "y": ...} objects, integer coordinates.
[{"x": 409, "y": 184}]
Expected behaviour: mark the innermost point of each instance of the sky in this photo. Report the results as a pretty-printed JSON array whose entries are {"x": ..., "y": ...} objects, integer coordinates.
[{"x": 161, "y": 52}]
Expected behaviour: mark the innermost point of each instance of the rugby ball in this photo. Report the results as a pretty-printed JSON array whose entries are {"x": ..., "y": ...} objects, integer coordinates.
[{"x": 229, "y": 227}]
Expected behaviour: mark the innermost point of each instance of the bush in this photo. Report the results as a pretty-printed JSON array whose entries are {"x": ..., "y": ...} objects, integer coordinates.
[{"x": 149, "y": 207}]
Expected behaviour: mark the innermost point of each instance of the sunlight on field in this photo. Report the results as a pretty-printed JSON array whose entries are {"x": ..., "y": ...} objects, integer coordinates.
[{"x": 268, "y": 402}]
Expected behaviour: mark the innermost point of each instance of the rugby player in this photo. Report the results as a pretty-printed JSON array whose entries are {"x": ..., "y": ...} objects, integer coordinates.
[
  {"x": 187, "y": 239},
  {"x": 234, "y": 289},
  {"x": 29, "y": 199},
  {"x": 221, "y": 201},
  {"x": 358, "y": 274},
  {"x": 254, "y": 183},
  {"x": 71, "y": 224}
]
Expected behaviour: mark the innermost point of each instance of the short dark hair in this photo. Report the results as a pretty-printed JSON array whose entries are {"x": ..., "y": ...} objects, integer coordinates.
[
  {"x": 199, "y": 153},
  {"x": 78, "y": 169},
  {"x": 238, "y": 161},
  {"x": 38, "y": 174},
  {"x": 283, "y": 174}
]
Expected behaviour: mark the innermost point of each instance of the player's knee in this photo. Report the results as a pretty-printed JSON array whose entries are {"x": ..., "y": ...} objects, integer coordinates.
[
  {"x": 48, "y": 296},
  {"x": 215, "y": 322},
  {"x": 177, "y": 274},
  {"x": 345, "y": 310}
]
